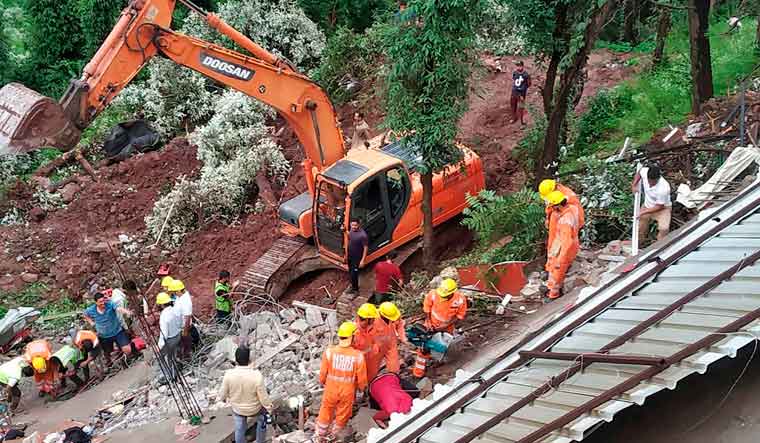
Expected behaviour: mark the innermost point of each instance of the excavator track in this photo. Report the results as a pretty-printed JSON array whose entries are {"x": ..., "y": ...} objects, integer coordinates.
[{"x": 285, "y": 261}]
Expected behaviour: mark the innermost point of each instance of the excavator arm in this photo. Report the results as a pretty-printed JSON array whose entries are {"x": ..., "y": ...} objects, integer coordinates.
[{"x": 29, "y": 120}]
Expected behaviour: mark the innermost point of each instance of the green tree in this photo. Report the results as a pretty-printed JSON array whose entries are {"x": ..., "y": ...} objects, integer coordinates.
[
  {"x": 430, "y": 55},
  {"x": 6, "y": 73},
  {"x": 97, "y": 18},
  {"x": 562, "y": 32},
  {"x": 356, "y": 15},
  {"x": 55, "y": 45}
]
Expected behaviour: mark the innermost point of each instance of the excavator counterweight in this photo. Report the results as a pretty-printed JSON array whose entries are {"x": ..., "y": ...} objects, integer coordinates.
[{"x": 29, "y": 120}]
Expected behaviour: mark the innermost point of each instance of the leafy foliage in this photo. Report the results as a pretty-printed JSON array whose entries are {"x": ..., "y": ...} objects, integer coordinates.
[
  {"x": 605, "y": 192},
  {"x": 429, "y": 50},
  {"x": 55, "y": 41},
  {"x": 529, "y": 147},
  {"x": 349, "y": 55},
  {"x": 356, "y": 15},
  {"x": 97, "y": 18},
  {"x": 234, "y": 147},
  {"x": 519, "y": 215},
  {"x": 280, "y": 26},
  {"x": 499, "y": 31},
  {"x": 173, "y": 98}
]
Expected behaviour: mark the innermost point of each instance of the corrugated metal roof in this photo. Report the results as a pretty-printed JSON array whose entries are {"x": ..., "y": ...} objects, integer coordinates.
[{"x": 702, "y": 316}]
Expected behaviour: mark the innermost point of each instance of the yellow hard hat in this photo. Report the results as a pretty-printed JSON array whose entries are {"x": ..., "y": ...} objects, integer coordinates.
[
  {"x": 546, "y": 187},
  {"x": 555, "y": 198},
  {"x": 448, "y": 286},
  {"x": 368, "y": 310},
  {"x": 163, "y": 298},
  {"x": 346, "y": 329},
  {"x": 389, "y": 311},
  {"x": 39, "y": 364},
  {"x": 166, "y": 281},
  {"x": 176, "y": 286}
]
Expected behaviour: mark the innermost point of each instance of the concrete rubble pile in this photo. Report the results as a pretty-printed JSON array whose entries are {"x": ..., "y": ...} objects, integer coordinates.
[
  {"x": 587, "y": 269},
  {"x": 286, "y": 347}
]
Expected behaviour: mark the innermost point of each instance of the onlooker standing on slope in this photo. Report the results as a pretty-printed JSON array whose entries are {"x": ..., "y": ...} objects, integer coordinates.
[{"x": 520, "y": 85}]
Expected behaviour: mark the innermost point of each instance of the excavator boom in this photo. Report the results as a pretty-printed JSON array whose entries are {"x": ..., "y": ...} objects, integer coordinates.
[{"x": 29, "y": 120}]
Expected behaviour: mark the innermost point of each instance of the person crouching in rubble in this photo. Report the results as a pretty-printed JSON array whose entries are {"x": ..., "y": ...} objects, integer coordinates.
[
  {"x": 68, "y": 360},
  {"x": 343, "y": 372},
  {"x": 88, "y": 344},
  {"x": 11, "y": 373},
  {"x": 37, "y": 354},
  {"x": 103, "y": 316}
]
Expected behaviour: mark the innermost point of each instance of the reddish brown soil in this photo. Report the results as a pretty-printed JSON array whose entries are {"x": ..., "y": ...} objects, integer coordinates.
[
  {"x": 486, "y": 126},
  {"x": 68, "y": 248}
]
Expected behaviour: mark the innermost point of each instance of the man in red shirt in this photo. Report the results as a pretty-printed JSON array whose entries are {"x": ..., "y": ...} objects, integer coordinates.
[{"x": 387, "y": 276}]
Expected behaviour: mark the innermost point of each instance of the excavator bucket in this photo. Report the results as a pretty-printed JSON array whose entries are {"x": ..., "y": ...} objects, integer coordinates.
[{"x": 29, "y": 120}]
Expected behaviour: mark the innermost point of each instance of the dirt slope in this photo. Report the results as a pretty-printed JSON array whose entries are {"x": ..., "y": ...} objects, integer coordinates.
[{"x": 69, "y": 247}]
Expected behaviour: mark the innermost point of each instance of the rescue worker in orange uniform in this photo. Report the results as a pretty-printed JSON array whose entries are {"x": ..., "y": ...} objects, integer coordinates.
[
  {"x": 548, "y": 186},
  {"x": 386, "y": 337},
  {"x": 443, "y": 307},
  {"x": 343, "y": 372},
  {"x": 365, "y": 338},
  {"x": 46, "y": 372},
  {"x": 563, "y": 244},
  {"x": 88, "y": 344}
]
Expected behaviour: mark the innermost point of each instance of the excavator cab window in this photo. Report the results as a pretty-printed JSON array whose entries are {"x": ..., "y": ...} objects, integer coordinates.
[
  {"x": 396, "y": 181},
  {"x": 331, "y": 214},
  {"x": 380, "y": 202},
  {"x": 367, "y": 205}
]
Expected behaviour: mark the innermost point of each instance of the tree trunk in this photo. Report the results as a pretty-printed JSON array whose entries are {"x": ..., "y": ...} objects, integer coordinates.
[
  {"x": 547, "y": 166},
  {"x": 701, "y": 69},
  {"x": 630, "y": 27},
  {"x": 663, "y": 28},
  {"x": 427, "y": 218},
  {"x": 560, "y": 37}
]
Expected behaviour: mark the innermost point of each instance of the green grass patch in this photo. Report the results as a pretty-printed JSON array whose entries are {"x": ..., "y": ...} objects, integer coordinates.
[
  {"x": 32, "y": 296},
  {"x": 640, "y": 107}
]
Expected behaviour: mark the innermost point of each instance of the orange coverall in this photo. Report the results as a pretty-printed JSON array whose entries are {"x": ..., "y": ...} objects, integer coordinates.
[
  {"x": 47, "y": 382},
  {"x": 442, "y": 312},
  {"x": 365, "y": 341},
  {"x": 562, "y": 246},
  {"x": 572, "y": 199},
  {"x": 343, "y": 372},
  {"x": 384, "y": 334}
]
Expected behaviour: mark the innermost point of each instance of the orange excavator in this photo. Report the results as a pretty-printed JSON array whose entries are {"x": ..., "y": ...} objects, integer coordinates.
[{"x": 380, "y": 186}]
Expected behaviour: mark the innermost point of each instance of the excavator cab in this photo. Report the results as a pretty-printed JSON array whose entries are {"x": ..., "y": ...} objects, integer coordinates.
[
  {"x": 377, "y": 195},
  {"x": 29, "y": 120}
]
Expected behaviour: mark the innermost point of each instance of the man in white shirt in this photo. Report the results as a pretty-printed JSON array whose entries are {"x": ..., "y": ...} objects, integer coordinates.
[
  {"x": 657, "y": 205},
  {"x": 183, "y": 303},
  {"x": 170, "y": 325}
]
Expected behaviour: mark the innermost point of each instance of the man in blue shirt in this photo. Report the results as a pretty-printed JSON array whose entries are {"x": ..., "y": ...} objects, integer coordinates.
[{"x": 103, "y": 316}]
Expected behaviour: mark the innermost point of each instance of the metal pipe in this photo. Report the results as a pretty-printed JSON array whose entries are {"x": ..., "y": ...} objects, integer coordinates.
[
  {"x": 595, "y": 357},
  {"x": 646, "y": 374},
  {"x": 484, "y": 385}
]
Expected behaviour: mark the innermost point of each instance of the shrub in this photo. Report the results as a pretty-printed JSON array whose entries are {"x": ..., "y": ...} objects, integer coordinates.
[
  {"x": 234, "y": 147},
  {"x": 97, "y": 18},
  {"x": 499, "y": 32},
  {"x": 349, "y": 55},
  {"x": 174, "y": 98},
  {"x": 356, "y": 15},
  {"x": 605, "y": 110},
  {"x": 532, "y": 144},
  {"x": 605, "y": 193},
  {"x": 279, "y": 26},
  {"x": 519, "y": 215}
]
